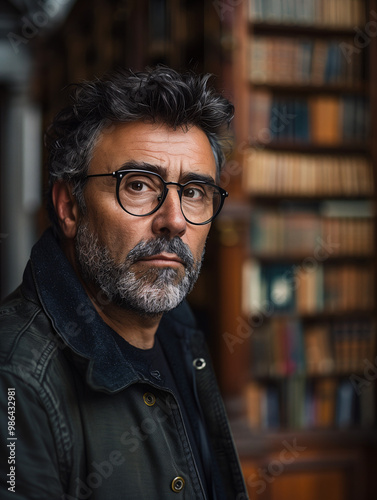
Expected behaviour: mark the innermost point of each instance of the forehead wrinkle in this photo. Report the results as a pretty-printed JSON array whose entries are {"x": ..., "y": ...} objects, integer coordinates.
[
  {"x": 165, "y": 158},
  {"x": 181, "y": 151},
  {"x": 172, "y": 140}
]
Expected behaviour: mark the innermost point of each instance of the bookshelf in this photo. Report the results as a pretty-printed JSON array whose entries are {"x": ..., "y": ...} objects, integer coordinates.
[{"x": 298, "y": 316}]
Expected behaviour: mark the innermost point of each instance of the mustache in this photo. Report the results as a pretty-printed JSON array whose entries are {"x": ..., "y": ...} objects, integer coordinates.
[{"x": 155, "y": 246}]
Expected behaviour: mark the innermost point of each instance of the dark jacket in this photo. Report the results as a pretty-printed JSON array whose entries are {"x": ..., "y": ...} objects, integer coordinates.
[{"x": 87, "y": 424}]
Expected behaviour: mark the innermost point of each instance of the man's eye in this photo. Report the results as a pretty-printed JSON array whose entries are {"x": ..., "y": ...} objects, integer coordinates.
[
  {"x": 193, "y": 193},
  {"x": 137, "y": 186}
]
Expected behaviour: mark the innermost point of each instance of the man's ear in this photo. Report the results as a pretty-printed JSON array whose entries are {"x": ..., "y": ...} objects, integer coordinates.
[{"x": 66, "y": 208}]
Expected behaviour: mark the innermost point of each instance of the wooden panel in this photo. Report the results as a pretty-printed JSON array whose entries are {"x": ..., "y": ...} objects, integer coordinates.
[{"x": 234, "y": 342}]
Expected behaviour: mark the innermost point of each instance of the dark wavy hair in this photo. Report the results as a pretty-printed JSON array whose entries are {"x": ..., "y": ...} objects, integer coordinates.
[{"x": 156, "y": 95}]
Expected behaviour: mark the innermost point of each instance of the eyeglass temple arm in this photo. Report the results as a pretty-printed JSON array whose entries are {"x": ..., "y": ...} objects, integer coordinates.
[{"x": 112, "y": 174}]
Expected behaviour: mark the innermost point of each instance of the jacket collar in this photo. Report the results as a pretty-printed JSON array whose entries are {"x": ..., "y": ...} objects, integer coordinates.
[{"x": 77, "y": 322}]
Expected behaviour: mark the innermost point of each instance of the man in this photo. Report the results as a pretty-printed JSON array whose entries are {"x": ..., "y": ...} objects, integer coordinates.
[{"x": 107, "y": 389}]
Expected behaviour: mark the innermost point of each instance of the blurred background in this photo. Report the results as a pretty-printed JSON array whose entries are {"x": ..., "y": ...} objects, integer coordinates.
[{"x": 287, "y": 293}]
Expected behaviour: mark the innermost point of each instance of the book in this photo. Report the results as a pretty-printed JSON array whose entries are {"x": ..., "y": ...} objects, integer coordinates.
[
  {"x": 271, "y": 408},
  {"x": 253, "y": 400},
  {"x": 367, "y": 406},
  {"x": 296, "y": 399},
  {"x": 325, "y": 402},
  {"x": 285, "y": 60},
  {"x": 252, "y": 287},
  {"x": 262, "y": 364},
  {"x": 318, "y": 352},
  {"x": 333, "y": 14},
  {"x": 325, "y": 120},
  {"x": 271, "y": 173},
  {"x": 260, "y": 109},
  {"x": 345, "y": 405},
  {"x": 309, "y": 290}
]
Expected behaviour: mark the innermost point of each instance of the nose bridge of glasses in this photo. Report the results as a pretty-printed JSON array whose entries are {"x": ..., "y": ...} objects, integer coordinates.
[
  {"x": 163, "y": 198},
  {"x": 178, "y": 186}
]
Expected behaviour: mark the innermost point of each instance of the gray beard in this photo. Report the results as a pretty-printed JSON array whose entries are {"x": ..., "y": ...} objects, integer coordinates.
[{"x": 150, "y": 292}]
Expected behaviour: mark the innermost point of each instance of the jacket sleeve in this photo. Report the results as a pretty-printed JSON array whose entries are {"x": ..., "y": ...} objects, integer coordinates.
[{"x": 29, "y": 467}]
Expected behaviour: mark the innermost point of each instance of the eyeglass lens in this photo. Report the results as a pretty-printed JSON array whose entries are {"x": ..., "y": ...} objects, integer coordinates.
[{"x": 140, "y": 194}]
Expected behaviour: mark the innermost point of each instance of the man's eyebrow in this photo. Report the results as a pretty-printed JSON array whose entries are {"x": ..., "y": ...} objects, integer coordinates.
[
  {"x": 158, "y": 169},
  {"x": 196, "y": 176},
  {"x": 136, "y": 165}
]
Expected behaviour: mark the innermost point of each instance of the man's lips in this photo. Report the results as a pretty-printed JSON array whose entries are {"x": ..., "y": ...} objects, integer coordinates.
[{"x": 163, "y": 259}]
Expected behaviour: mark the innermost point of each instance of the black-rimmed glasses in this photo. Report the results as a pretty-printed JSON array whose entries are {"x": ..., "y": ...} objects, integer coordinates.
[{"x": 141, "y": 193}]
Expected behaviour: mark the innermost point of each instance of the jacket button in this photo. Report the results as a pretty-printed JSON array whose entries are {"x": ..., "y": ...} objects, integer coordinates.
[
  {"x": 199, "y": 363},
  {"x": 177, "y": 484},
  {"x": 149, "y": 399}
]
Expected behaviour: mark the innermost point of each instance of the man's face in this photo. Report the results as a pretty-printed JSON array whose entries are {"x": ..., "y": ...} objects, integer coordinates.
[{"x": 148, "y": 263}]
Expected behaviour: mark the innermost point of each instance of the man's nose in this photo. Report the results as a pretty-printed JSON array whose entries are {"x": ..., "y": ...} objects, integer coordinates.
[{"x": 169, "y": 219}]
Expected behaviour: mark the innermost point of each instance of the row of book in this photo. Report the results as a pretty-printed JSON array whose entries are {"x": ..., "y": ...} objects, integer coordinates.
[
  {"x": 303, "y": 231},
  {"x": 283, "y": 347},
  {"x": 299, "y": 403},
  {"x": 318, "y": 120},
  {"x": 271, "y": 173},
  {"x": 308, "y": 287},
  {"x": 337, "y": 288},
  {"x": 329, "y": 13},
  {"x": 290, "y": 61}
]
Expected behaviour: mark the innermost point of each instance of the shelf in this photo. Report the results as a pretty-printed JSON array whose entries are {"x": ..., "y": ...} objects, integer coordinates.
[
  {"x": 320, "y": 316},
  {"x": 307, "y": 376},
  {"x": 267, "y": 199},
  {"x": 298, "y": 258},
  {"x": 307, "y": 88},
  {"x": 256, "y": 443},
  {"x": 310, "y": 148},
  {"x": 302, "y": 30}
]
